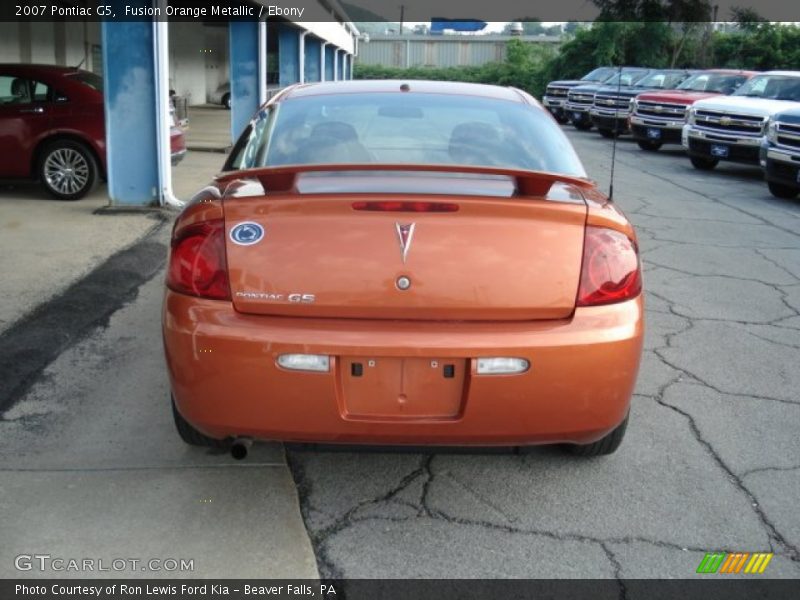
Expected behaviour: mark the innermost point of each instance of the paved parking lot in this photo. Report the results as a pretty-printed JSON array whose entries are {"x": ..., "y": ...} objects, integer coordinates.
[
  {"x": 92, "y": 467},
  {"x": 712, "y": 456}
]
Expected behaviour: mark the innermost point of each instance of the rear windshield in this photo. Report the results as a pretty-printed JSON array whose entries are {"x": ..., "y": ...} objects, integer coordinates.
[
  {"x": 407, "y": 128},
  {"x": 86, "y": 78},
  {"x": 719, "y": 83}
]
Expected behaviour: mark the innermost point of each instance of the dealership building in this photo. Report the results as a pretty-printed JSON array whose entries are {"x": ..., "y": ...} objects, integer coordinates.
[{"x": 144, "y": 60}]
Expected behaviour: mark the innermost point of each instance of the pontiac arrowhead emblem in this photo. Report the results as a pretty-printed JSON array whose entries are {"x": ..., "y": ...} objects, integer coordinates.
[{"x": 405, "y": 234}]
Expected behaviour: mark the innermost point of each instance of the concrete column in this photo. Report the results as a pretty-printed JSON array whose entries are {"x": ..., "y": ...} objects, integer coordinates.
[
  {"x": 313, "y": 60},
  {"x": 323, "y": 61},
  {"x": 336, "y": 64},
  {"x": 301, "y": 55},
  {"x": 243, "y": 40},
  {"x": 130, "y": 112},
  {"x": 288, "y": 55}
]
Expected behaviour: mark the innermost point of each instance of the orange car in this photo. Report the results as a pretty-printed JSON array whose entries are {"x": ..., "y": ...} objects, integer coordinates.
[{"x": 397, "y": 263}]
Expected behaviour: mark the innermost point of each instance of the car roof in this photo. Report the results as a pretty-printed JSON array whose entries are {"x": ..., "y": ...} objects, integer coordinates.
[
  {"x": 36, "y": 68},
  {"x": 365, "y": 86},
  {"x": 788, "y": 73}
]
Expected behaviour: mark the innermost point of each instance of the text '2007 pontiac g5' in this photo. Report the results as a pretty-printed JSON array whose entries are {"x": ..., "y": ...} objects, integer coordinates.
[{"x": 419, "y": 263}]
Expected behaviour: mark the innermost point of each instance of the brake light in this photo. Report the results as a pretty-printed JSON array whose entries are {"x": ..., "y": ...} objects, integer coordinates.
[
  {"x": 610, "y": 271},
  {"x": 400, "y": 206},
  {"x": 197, "y": 263}
]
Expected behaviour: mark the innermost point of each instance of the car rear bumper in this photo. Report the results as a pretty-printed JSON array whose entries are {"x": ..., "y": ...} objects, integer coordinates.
[{"x": 225, "y": 380}]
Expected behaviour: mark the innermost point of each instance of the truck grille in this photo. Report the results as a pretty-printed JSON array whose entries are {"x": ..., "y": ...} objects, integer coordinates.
[
  {"x": 789, "y": 135},
  {"x": 581, "y": 98},
  {"x": 612, "y": 102},
  {"x": 660, "y": 110},
  {"x": 556, "y": 92},
  {"x": 725, "y": 122}
]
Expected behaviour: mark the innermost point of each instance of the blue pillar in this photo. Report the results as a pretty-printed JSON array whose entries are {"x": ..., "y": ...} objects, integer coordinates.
[
  {"x": 341, "y": 58},
  {"x": 243, "y": 42},
  {"x": 313, "y": 67},
  {"x": 288, "y": 55},
  {"x": 130, "y": 111},
  {"x": 329, "y": 52}
]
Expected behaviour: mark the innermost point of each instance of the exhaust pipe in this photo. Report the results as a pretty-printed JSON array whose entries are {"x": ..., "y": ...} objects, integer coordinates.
[{"x": 240, "y": 448}]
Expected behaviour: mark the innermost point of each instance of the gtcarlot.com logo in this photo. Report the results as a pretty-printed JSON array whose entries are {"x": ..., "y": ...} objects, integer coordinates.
[
  {"x": 47, "y": 562},
  {"x": 734, "y": 563}
]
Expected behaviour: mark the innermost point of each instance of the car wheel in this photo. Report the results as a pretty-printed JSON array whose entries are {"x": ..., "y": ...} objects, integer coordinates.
[
  {"x": 226, "y": 101},
  {"x": 608, "y": 133},
  {"x": 582, "y": 125},
  {"x": 649, "y": 145},
  {"x": 703, "y": 163},
  {"x": 782, "y": 191},
  {"x": 191, "y": 436},
  {"x": 67, "y": 169},
  {"x": 561, "y": 119},
  {"x": 603, "y": 446}
]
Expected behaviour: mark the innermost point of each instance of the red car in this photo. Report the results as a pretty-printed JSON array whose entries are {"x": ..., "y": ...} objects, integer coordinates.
[
  {"x": 657, "y": 117},
  {"x": 52, "y": 128}
]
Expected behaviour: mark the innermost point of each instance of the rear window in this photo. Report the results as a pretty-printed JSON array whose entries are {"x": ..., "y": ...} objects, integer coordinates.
[
  {"x": 86, "y": 78},
  {"x": 407, "y": 128}
]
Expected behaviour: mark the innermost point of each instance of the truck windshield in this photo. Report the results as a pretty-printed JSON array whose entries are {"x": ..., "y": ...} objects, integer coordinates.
[
  {"x": 773, "y": 87},
  {"x": 716, "y": 83}
]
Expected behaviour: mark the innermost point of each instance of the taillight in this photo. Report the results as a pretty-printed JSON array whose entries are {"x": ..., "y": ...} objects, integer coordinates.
[
  {"x": 610, "y": 270},
  {"x": 197, "y": 264}
]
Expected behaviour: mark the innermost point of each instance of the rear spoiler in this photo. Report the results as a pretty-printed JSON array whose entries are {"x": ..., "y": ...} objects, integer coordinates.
[{"x": 284, "y": 179}]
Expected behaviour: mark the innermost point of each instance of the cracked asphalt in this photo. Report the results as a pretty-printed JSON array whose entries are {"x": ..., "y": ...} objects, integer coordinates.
[{"x": 711, "y": 461}]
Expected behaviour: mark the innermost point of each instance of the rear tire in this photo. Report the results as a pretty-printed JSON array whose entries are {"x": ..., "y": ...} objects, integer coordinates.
[
  {"x": 703, "y": 163},
  {"x": 226, "y": 101},
  {"x": 780, "y": 190},
  {"x": 191, "y": 436},
  {"x": 67, "y": 169},
  {"x": 582, "y": 125},
  {"x": 603, "y": 446},
  {"x": 649, "y": 145}
]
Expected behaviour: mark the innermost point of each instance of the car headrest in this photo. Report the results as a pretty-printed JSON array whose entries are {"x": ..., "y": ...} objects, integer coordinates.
[
  {"x": 338, "y": 130},
  {"x": 19, "y": 89}
]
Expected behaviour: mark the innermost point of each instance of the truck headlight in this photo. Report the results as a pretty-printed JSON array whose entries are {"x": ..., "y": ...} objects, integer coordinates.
[
  {"x": 690, "y": 115},
  {"x": 772, "y": 131}
]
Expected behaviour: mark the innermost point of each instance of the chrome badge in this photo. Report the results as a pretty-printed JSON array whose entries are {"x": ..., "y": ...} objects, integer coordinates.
[
  {"x": 247, "y": 233},
  {"x": 405, "y": 234}
]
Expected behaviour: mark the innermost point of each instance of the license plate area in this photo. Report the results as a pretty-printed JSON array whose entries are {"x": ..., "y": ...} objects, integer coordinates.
[
  {"x": 719, "y": 150},
  {"x": 653, "y": 133},
  {"x": 401, "y": 388}
]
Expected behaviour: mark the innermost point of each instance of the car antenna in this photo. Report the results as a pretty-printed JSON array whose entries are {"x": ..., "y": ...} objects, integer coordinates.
[
  {"x": 80, "y": 64},
  {"x": 616, "y": 135}
]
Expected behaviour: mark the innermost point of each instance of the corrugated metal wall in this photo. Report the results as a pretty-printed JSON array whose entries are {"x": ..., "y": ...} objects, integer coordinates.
[{"x": 443, "y": 51}]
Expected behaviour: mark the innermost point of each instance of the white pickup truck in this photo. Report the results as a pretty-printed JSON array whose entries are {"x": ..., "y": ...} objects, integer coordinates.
[{"x": 733, "y": 127}]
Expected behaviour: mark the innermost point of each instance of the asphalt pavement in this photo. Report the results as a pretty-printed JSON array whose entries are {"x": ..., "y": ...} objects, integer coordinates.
[
  {"x": 92, "y": 467},
  {"x": 711, "y": 461}
]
